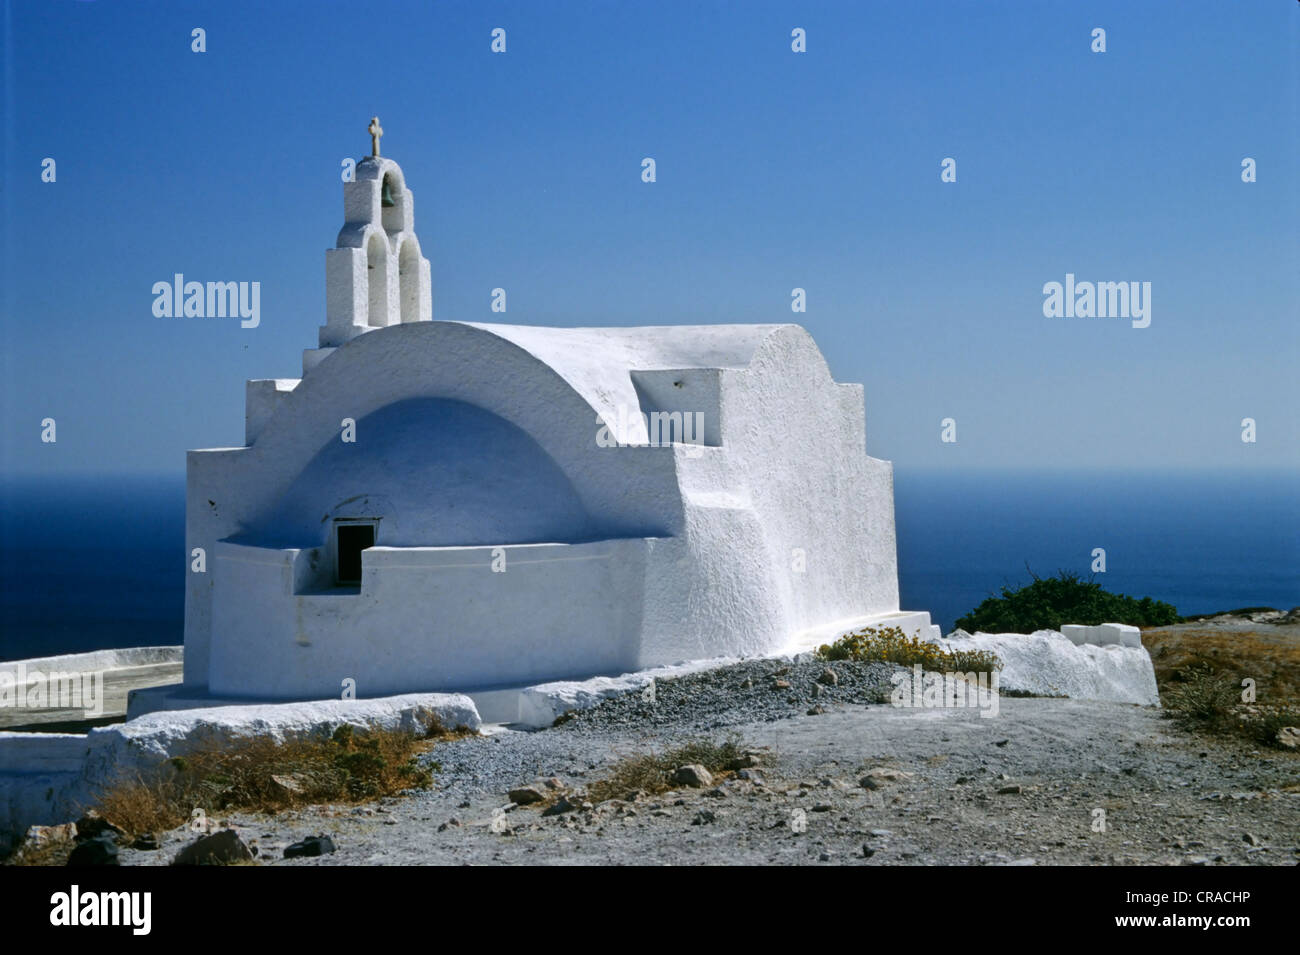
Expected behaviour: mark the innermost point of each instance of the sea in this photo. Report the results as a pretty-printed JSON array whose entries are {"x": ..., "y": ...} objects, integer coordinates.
[{"x": 89, "y": 563}]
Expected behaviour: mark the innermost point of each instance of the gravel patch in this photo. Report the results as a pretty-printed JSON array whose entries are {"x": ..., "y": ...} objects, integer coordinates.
[{"x": 754, "y": 691}]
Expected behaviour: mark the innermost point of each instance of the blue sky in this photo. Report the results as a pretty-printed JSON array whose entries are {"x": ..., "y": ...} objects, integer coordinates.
[{"x": 775, "y": 170}]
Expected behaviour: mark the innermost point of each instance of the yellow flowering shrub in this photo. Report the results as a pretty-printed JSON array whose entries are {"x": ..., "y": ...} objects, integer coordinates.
[{"x": 892, "y": 645}]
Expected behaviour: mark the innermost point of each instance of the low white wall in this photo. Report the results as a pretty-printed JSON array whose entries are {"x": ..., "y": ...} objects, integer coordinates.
[
  {"x": 97, "y": 660},
  {"x": 48, "y": 778},
  {"x": 42, "y": 753},
  {"x": 913, "y": 623},
  {"x": 1103, "y": 634},
  {"x": 425, "y": 618},
  {"x": 1050, "y": 664}
]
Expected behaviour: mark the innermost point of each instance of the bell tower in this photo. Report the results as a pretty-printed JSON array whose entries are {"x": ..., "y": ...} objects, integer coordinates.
[{"x": 375, "y": 276}]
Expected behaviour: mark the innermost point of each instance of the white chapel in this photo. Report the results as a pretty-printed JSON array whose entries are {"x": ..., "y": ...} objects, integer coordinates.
[{"x": 457, "y": 506}]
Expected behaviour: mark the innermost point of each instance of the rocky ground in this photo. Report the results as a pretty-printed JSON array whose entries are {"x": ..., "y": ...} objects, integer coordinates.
[{"x": 842, "y": 779}]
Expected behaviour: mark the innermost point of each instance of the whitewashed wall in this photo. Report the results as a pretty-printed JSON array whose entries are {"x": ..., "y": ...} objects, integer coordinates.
[{"x": 711, "y": 536}]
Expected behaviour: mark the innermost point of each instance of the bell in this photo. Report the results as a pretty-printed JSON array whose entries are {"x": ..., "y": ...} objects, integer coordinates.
[{"x": 386, "y": 200}]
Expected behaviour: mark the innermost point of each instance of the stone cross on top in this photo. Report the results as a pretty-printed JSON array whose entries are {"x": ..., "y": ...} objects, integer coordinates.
[{"x": 375, "y": 131}]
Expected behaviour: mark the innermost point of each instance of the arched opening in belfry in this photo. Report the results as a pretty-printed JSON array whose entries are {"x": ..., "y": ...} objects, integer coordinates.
[
  {"x": 392, "y": 203},
  {"x": 408, "y": 280},
  {"x": 377, "y": 279}
]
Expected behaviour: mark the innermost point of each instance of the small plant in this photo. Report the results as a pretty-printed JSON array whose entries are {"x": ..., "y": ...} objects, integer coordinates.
[
  {"x": 1263, "y": 726},
  {"x": 263, "y": 774},
  {"x": 137, "y": 805},
  {"x": 1050, "y": 602},
  {"x": 652, "y": 772},
  {"x": 1203, "y": 699},
  {"x": 892, "y": 645}
]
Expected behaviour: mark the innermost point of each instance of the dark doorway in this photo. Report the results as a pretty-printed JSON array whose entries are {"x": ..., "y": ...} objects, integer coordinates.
[{"x": 352, "y": 540}]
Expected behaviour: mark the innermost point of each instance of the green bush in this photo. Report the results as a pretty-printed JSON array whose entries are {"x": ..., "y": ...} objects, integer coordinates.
[{"x": 1050, "y": 602}]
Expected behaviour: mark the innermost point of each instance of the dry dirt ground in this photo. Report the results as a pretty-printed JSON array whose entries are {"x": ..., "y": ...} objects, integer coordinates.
[
  {"x": 1044, "y": 782},
  {"x": 1241, "y": 648}
]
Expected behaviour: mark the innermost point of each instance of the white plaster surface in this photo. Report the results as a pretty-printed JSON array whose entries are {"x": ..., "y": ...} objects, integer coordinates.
[
  {"x": 375, "y": 276},
  {"x": 1076, "y": 633},
  {"x": 1049, "y": 663},
  {"x": 1103, "y": 634},
  {"x": 1123, "y": 634},
  {"x": 474, "y": 436}
]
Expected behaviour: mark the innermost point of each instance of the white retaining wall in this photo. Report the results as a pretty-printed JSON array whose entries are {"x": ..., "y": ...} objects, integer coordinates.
[
  {"x": 1049, "y": 663},
  {"x": 48, "y": 778},
  {"x": 96, "y": 660}
]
